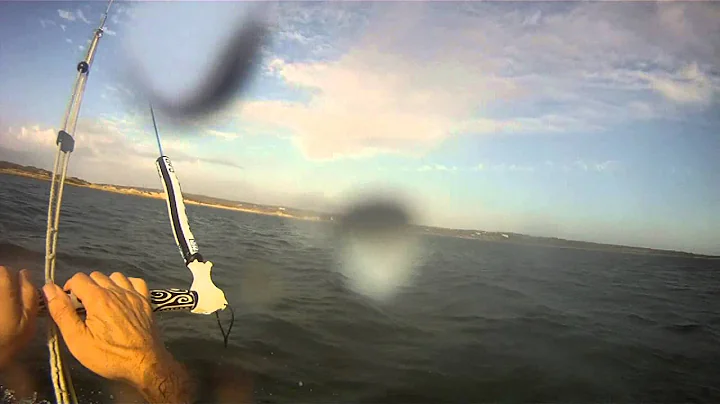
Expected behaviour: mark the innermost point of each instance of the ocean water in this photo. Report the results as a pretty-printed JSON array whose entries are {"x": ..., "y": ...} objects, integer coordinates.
[{"x": 480, "y": 321}]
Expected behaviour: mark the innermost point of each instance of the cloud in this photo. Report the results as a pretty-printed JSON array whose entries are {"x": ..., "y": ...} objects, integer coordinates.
[
  {"x": 687, "y": 85},
  {"x": 109, "y": 141},
  {"x": 607, "y": 166},
  {"x": 222, "y": 134},
  {"x": 25, "y": 137},
  {"x": 44, "y": 23},
  {"x": 63, "y": 27},
  {"x": 73, "y": 16},
  {"x": 109, "y": 31},
  {"x": 548, "y": 166},
  {"x": 532, "y": 19},
  {"x": 521, "y": 168},
  {"x": 68, "y": 40},
  {"x": 436, "y": 167},
  {"x": 66, "y": 15},
  {"x": 511, "y": 168},
  {"x": 580, "y": 165},
  {"x": 371, "y": 101},
  {"x": 455, "y": 68},
  {"x": 81, "y": 16}
]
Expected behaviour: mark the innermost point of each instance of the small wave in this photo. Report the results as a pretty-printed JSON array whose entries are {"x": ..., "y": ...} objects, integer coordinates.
[
  {"x": 641, "y": 319},
  {"x": 684, "y": 328},
  {"x": 21, "y": 257}
]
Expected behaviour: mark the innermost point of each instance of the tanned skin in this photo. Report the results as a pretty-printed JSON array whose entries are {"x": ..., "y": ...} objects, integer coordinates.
[{"x": 117, "y": 339}]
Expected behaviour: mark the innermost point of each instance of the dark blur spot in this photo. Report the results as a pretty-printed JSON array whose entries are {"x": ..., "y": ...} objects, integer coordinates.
[
  {"x": 227, "y": 76},
  {"x": 373, "y": 216}
]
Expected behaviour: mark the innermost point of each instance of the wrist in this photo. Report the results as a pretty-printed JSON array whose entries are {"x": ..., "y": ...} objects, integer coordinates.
[{"x": 162, "y": 379}]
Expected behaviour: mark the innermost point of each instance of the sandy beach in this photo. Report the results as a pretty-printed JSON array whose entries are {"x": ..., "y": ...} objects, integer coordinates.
[{"x": 155, "y": 195}]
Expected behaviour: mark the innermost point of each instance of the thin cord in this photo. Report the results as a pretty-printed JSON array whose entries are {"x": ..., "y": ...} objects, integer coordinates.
[
  {"x": 157, "y": 134},
  {"x": 222, "y": 330}
]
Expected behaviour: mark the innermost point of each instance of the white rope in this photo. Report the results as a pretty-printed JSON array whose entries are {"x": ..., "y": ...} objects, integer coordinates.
[{"x": 62, "y": 382}]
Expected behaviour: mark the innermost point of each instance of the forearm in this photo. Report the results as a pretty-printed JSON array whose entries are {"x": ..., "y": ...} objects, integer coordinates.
[{"x": 167, "y": 381}]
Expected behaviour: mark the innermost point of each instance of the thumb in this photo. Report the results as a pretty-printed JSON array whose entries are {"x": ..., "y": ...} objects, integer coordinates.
[{"x": 62, "y": 311}]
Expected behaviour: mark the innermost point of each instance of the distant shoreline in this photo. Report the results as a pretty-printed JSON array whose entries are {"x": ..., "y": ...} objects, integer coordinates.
[
  {"x": 299, "y": 214},
  {"x": 154, "y": 195}
]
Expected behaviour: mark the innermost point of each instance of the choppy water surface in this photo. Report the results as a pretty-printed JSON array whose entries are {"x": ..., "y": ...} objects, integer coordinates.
[{"x": 480, "y": 321}]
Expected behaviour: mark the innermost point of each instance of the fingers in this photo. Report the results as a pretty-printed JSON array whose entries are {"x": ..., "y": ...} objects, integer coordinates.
[
  {"x": 83, "y": 287},
  {"x": 8, "y": 282},
  {"x": 29, "y": 295},
  {"x": 141, "y": 287},
  {"x": 122, "y": 281},
  {"x": 5, "y": 280},
  {"x": 102, "y": 280},
  {"x": 63, "y": 313}
]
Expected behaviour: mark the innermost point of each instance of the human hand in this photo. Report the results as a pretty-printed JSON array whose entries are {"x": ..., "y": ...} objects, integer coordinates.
[
  {"x": 18, "y": 312},
  {"x": 118, "y": 339}
]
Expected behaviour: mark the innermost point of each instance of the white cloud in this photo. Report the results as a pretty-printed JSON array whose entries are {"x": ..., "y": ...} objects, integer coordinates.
[
  {"x": 63, "y": 27},
  {"x": 687, "y": 85},
  {"x": 368, "y": 100},
  {"x": 25, "y": 137},
  {"x": 106, "y": 140},
  {"x": 222, "y": 134},
  {"x": 607, "y": 166},
  {"x": 406, "y": 87},
  {"x": 294, "y": 36},
  {"x": 44, "y": 23},
  {"x": 511, "y": 168},
  {"x": 109, "y": 31},
  {"x": 579, "y": 165},
  {"x": 81, "y": 16},
  {"x": 437, "y": 167},
  {"x": 68, "y": 40},
  {"x": 521, "y": 168},
  {"x": 533, "y": 19},
  {"x": 66, "y": 15}
]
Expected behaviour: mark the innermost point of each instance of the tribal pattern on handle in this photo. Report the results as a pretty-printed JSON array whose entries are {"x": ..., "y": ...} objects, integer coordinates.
[
  {"x": 173, "y": 299},
  {"x": 160, "y": 300}
]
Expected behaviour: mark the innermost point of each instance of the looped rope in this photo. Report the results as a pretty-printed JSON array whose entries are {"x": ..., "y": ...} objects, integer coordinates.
[{"x": 222, "y": 330}]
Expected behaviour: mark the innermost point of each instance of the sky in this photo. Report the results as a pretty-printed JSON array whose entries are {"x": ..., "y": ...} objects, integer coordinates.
[{"x": 595, "y": 121}]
